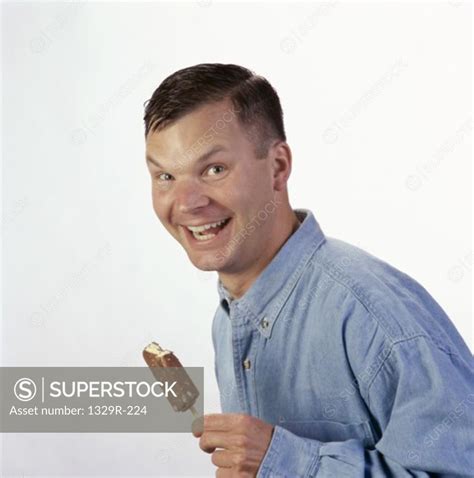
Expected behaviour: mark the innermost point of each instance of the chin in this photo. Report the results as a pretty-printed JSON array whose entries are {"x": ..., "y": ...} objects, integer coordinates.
[{"x": 205, "y": 262}]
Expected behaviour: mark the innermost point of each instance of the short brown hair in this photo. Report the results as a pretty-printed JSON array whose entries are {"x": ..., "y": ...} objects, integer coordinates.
[{"x": 257, "y": 103}]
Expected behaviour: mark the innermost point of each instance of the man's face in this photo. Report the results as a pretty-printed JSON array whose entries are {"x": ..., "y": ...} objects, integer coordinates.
[{"x": 209, "y": 173}]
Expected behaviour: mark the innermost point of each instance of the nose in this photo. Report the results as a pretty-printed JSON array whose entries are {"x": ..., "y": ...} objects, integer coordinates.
[{"x": 190, "y": 196}]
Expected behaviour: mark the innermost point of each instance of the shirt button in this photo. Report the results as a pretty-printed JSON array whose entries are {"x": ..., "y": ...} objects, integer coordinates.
[
  {"x": 264, "y": 323},
  {"x": 246, "y": 364}
]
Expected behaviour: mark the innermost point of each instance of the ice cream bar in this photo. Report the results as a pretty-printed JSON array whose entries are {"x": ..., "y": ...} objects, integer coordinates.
[{"x": 165, "y": 366}]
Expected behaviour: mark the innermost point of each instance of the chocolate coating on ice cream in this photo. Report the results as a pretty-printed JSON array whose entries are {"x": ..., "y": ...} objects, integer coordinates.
[{"x": 165, "y": 366}]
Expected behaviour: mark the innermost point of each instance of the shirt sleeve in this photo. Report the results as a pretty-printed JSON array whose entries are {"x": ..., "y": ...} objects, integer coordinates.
[{"x": 422, "y": 398}]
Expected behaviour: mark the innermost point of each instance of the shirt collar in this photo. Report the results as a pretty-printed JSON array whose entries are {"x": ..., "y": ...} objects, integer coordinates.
[{"x": 263, "y": 301}]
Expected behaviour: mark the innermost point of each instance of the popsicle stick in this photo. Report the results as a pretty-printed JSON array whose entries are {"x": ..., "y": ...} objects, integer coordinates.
[{"x": 194, "y": 412}]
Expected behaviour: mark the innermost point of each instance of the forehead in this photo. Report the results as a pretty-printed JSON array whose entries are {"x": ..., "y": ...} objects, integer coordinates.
[{"x": 197, "y": 131}]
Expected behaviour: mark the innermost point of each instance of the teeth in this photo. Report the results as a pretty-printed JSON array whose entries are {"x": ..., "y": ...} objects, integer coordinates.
[
  {"x": 201, "y": 237},
  {"x": 198, "y": 230},
  {"x": 205, "y": 227}
]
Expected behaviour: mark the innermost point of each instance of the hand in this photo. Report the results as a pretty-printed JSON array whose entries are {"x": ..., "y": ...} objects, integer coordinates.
[{"x": 242, "y": 440}]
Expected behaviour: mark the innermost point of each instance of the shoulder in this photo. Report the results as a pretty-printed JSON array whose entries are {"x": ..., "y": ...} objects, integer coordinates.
[
  {"x": 373, "y": 306},
  {"x": 399, "y": 305},
  {"x": 375, "y": 310}
]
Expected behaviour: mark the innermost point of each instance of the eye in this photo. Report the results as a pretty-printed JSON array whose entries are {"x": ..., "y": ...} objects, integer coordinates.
[
  {"x": 216, "y": 166},
  {"x": 159, "y": 176}
]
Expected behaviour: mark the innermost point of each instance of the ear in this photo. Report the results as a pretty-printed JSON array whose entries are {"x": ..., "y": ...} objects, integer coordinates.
[{"x": 280, "y": 154}]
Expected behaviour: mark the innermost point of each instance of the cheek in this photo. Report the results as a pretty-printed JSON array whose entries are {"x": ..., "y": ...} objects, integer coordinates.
[
  {"x": 159, "y": 205},
  {"x": 251, "y": 193},
  {"x": 255, "y": 178},
  {"x": 155, "y": 199}
]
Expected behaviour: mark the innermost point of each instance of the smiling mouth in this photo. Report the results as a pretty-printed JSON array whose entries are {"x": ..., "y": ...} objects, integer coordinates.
[{"x": 208, "y": 234}]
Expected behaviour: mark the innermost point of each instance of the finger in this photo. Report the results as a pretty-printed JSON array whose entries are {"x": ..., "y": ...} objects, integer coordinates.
[
  {"x": 222, "y": 421},
  {"x": 222, "y": 459},
  {"x": 209, "y": 441},
  {"x": 224, "y": 473}
]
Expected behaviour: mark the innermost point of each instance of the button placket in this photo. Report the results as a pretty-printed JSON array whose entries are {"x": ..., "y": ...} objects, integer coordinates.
[{"x": 243, "y": 367}]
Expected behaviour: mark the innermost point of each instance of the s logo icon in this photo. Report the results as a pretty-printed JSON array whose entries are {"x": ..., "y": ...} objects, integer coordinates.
[{"x": 24, "y": 389}]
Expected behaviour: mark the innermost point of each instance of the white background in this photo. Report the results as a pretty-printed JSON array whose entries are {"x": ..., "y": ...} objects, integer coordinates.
[{"x": 377, "y": 104}]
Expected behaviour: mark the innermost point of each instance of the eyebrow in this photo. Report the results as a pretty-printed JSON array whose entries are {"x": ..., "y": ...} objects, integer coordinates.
[{"x": 215, "y": 149}]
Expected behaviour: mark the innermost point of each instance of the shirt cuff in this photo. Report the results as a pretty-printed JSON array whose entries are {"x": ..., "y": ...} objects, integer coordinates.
[{"x": 289, "y": 456}]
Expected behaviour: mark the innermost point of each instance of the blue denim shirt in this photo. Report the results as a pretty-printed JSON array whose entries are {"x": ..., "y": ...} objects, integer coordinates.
[{"x": 357, "y": 366}]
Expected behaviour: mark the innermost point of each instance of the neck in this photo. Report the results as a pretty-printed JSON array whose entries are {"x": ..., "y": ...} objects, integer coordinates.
[{"x": 238, "y": 283}]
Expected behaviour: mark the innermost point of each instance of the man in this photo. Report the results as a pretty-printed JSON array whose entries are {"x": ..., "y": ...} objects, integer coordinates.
[{"x": 330, "y": 362}]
